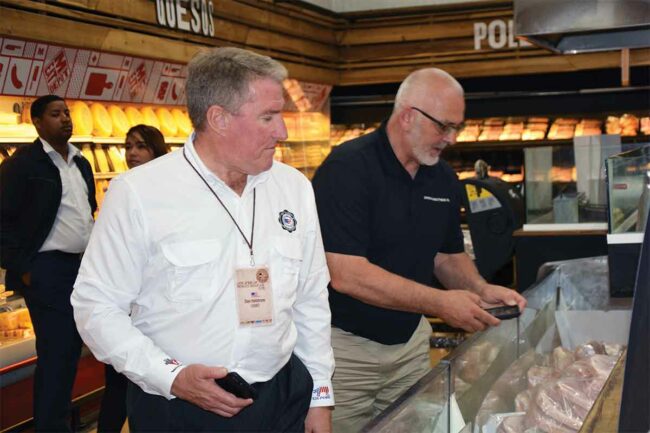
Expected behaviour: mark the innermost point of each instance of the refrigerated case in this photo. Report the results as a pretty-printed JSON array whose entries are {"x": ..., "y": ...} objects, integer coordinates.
[
  {"x": 490, "y": 376},
  {"x": 628, "y": 188}
]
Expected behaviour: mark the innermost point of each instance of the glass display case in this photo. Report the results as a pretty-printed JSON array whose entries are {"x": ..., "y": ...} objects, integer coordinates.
[
  {"x": 628, "y": 187},
  {"x": 543, "y": 370},
  {"x": 566, "y": 185}
]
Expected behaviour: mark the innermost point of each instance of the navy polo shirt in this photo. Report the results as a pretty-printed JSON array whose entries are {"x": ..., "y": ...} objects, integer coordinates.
[{"x": 369, "y": 206}]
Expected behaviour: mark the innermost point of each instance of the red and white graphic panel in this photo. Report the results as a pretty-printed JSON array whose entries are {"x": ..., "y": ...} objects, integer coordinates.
[
  {"x": 176, "y": 94},
  {"x": 13, "y": 47},
  {"x": 99, "y": 84},
  {"x": 57, "y": 72},
  {"x": 34, "y": 76},
  {"x": 4, "y": 67},
  {"x": 78, "y": 73},
  {"x": 36, "y": 68},
  {"x": 17, "y": 76},
  {"x": 41, "y": 50},
  {"x": 153, "y": 86},
  {"x": 121, "y": 85},
  {"x": 136, "y": 80}
]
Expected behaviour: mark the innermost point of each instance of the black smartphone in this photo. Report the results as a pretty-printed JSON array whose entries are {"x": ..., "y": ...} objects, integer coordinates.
[
  {"x": 504, "y": 312},
  {"x": 235, "y": 384}
]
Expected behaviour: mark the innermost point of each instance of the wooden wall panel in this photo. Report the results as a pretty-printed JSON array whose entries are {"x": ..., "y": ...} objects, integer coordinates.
[{"x": 367, "y": 47}]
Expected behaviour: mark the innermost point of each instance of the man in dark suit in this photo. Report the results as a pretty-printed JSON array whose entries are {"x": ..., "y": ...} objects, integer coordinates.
[{"x": 47, "y": 199}]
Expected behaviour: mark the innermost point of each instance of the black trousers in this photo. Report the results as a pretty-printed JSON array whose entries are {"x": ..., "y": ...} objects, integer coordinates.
[
  {"x": 281, "y": 406},
  {"x": 112, "y": 412},
  {"x": 58, "y": 345}
]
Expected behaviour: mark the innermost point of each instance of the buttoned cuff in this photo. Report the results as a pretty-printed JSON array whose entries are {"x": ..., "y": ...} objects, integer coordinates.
[
  {"x": 164, "y": 377},
  {"x": 322, "y": 394}
]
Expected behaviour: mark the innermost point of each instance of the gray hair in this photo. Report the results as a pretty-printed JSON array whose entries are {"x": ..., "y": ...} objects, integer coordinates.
[{"x": 222, "y": 76}]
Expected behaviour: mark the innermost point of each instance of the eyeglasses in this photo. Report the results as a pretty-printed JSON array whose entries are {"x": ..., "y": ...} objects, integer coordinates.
[{"x": 445, "y": 128}]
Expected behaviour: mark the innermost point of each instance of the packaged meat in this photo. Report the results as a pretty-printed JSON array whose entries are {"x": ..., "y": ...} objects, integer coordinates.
[
  {"x": 512, "y": 424},
  {"x": 561, "y": 358},
  {"x": 539, "y": 374}
]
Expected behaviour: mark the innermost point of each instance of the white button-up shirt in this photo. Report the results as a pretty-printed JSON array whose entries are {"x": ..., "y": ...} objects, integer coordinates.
[
  {"x": 165, "y": 250},
  {"x": 74, "y": 222}
]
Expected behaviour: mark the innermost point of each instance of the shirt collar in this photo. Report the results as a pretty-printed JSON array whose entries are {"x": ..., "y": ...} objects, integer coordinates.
[
  {"x": 72, "y": 150},
  {"x": 213, "y": 179}
]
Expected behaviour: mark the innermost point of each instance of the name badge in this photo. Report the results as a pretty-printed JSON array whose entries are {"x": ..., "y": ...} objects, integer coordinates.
[{"x": 254, "y": 296}]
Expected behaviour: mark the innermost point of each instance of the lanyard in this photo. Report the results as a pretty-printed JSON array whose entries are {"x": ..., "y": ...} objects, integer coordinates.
[{"x": 250, "y": 244}]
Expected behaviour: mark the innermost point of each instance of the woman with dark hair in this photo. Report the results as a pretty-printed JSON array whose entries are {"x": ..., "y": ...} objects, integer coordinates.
[{"x": 143, "y": 143}]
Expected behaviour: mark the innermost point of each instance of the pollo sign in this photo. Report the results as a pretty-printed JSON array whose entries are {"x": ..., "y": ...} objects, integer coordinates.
[
  {"x": 498, "y": 34},
  {"x": 193, "y": 16}
]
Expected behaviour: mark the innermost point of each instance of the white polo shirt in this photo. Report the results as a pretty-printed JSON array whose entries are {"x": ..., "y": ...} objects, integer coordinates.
[{"x": 164, "y": 249}]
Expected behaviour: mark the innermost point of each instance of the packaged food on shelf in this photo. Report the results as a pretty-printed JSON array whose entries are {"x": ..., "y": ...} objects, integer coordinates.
[
  {"x": 562, "y": 129},
  {"x": 168, "y": 125},
  {"x": 18, "y": 131},
  {"x": 588, "y": 127},
  {"x": 82, "y": 118},
  {"x": 512, "y": 130},
  {"x": 87, "y": 152},
  {"x": 645, "y": 125},
  {"x": 470, "y": 132},
  {"x": 101, "y": 159},
  {"x": 117, "y": 160},
  {"x": 183, "y": 122},
  {"x": 150, "y": 118},
  {"x": 102, "y": 123},
  {"x": 120, "y": 121},
  {"x": 134, "y": 115},
  {"x": 9, "y": 118},
  {"x": 15, "y": 324}
]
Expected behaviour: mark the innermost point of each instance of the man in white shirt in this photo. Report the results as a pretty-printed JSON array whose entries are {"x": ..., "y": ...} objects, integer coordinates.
[
  {"x": 47, "y": 199},
  {"x": 215, "y": 250}
]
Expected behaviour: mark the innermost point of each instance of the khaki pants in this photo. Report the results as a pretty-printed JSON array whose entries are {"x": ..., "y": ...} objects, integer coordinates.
[{"x": 369, "y": 376}]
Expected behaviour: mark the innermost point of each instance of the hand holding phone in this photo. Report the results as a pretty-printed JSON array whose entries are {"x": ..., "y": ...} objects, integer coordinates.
[
  {"x": 504, "y": 312},
  {"x": 235, "y": 384}
]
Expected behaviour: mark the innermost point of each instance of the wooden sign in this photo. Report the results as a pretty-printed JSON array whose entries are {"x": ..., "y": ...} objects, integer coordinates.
[{"x": 193, "y": 16}]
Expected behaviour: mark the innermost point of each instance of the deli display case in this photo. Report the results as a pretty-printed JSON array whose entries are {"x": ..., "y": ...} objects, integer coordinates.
[
  {"x": 628, "y": 189},
  {"x": 544, "y": 370}
]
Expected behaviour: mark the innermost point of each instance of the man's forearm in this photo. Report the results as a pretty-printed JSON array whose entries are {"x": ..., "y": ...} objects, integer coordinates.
[
  {"x": 457, "y": 271},
  {"x": 357, "y": 277}
]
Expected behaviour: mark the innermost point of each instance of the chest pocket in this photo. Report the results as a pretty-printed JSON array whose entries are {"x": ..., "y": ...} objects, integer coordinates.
[
  {"x": 193, "y": 266},
  {"x": 287, "y": 259}
]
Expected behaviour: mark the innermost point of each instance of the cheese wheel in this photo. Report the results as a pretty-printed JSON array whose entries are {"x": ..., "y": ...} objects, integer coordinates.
[
  {"x": 102, "y": 123},
  {"x": 102, "y": 161},
  {"x": 20, "y": 130},
  {"x": 82, "y": 118},
  {"x": 87, "y": 152},
  {"x": 9, "y": 118},
  {"x": 168, "y": 125},
  {"x": 183, "y": 122},
  {"x": 150, "y": 117},
  {"x": 134, "y": 115},
  {"x": 116, "y": 158},
  {"x": 120, "y": 121}
]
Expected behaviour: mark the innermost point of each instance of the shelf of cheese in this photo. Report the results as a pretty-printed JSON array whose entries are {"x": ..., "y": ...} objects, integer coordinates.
[
  {"x": 96, "y": 120},
  {"x": 15, "y": 325}
]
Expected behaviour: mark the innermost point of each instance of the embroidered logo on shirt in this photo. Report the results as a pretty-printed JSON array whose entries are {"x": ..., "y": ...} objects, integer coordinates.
[
  {"x": 288, "y": 221},
  {"x": 321, "y": 393},
  {"x": 438, "y": 199},
  {"x": 169, "y": 361}
]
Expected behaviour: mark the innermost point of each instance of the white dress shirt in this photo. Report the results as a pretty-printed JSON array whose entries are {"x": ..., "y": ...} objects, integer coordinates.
[
  {"x": 164, "y": 249},
  {"x": 74, "y": 222}
]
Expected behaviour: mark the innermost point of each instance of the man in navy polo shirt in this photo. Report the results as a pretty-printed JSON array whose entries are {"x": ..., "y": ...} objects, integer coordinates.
[{"x": 390, "y": 217}]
